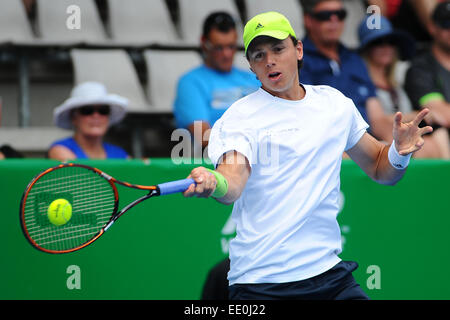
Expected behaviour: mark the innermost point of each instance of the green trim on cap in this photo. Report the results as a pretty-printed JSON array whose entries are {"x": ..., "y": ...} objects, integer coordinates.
[
  {"x": 433, "y": 96},
  {"x": 272, "y": 24}
]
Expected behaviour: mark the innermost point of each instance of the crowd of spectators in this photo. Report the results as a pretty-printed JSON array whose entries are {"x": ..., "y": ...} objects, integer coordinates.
[{"x": 402, "y": 64}]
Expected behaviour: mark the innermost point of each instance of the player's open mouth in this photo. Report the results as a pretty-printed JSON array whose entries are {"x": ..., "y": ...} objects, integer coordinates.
[{"x": 274, "y": 75}]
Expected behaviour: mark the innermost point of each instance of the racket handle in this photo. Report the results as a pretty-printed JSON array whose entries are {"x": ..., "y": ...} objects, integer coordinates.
[{"x": 175, "y": 186}]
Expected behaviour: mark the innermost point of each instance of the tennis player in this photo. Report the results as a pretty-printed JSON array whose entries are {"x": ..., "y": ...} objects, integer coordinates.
[{"x": 288, "y": 239}]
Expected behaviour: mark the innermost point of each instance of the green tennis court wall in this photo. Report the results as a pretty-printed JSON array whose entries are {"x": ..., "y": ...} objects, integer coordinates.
[{"x": 164, "y": 247}]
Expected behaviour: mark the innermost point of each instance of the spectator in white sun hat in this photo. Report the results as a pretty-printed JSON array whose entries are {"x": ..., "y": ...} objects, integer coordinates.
[{"x": 89, "y": 112}]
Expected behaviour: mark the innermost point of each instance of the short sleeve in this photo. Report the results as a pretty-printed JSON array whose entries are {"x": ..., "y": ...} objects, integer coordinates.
[
  {"x": 357, "y": 127},
  {"x": 228, "y": 135},
  {"x": 191, "y": 103}
]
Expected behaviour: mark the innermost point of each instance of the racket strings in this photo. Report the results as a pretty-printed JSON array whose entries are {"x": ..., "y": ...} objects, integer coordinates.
[{"x": 92, "y": 199}]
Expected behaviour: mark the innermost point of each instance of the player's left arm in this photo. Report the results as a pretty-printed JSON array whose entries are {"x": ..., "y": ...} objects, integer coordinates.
[{"x": 372, "y": 155}]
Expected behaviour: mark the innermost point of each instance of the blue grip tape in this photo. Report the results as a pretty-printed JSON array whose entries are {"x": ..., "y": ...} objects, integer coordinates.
[{"x": 175, "y": 186}]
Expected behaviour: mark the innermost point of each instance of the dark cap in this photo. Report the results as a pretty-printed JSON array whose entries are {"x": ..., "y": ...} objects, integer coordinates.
[
  {"x": 441, "y": 15},
  {"x": 402, "y": 40}
]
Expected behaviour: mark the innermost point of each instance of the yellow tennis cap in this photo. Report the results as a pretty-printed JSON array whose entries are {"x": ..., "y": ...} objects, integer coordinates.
[{"x": 272, "y": 24}]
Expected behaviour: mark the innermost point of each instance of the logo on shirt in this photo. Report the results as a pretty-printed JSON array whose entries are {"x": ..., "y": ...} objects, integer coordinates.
[
  {"x": 228, "y": 232},
  {"x": 224, "y": 98},
  {"x": 363, "y": 91}
]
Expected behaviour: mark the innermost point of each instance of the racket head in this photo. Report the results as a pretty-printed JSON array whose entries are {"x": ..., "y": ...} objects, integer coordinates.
[{"x": 93, "y": 197}]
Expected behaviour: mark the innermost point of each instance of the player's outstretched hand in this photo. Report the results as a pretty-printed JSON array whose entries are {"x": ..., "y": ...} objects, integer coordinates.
[
  {"x": 206, "y": 183},
  {"x": 408, "y": 136}
]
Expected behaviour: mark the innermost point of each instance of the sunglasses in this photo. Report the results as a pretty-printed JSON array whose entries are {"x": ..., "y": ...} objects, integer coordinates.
[
  {"x": 104, "y": 110},
  {"x": 326, "y": 15},
  {"x": 382, "y": 41}
]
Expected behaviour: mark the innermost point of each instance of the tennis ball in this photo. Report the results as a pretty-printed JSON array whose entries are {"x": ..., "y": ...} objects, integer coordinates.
[{"x": 59, "y": 212}]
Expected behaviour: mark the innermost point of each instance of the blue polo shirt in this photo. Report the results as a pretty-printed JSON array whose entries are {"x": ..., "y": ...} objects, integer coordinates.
[
  {"x": 350, "y": 76},
  {"x": 203, "y": 94}
]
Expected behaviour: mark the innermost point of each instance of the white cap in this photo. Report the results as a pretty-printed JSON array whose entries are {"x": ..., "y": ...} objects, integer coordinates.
[{"x": 89, "y": 93}]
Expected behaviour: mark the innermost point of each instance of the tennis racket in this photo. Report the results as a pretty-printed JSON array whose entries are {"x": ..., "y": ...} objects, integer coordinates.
[{"x": 93, "y": 197}]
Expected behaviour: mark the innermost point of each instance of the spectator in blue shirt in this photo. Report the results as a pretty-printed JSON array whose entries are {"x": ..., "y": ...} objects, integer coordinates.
[
  {"x": 328, "y": 62},
  {"x": 204, "y": 93}
]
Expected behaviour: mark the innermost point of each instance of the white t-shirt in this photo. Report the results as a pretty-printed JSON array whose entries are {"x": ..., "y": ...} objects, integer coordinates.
[{"x": 286, "y": 227}]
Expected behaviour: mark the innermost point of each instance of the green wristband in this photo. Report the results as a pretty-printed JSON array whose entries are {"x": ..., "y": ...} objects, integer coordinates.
[{"x": 222, "y": 184}]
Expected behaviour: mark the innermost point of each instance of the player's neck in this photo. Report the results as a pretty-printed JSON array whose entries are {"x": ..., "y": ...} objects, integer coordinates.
[{"x": 296, "y": 92}]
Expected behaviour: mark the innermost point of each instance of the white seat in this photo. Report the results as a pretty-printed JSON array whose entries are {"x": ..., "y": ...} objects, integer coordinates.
[
  {"x": 164, "y": 68},
  {"x": 31, "y": 139},
  {"x": 194, "y": 12},
  {"x": 14, "y": 25},
  {"x": 55, "y": 23},
  {"x": 355, "y": 14},
  {"x": 290, "y": 8},
  {"x": 401, "y": 68},
  {"x": 141, "y": 22},
  {"x": 113, "y": 68},
  {"x": 240, "y": 61}
]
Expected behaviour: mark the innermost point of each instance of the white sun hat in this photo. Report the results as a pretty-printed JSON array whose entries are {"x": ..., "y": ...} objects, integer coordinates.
[{"x": 89, "y": 93}]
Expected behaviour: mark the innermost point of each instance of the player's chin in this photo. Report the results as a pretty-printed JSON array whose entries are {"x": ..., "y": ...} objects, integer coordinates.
[{"x": 274, "y": 87}]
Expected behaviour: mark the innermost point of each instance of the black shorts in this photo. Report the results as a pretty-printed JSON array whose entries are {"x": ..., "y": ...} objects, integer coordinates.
[{"x": 335, "y": 284}]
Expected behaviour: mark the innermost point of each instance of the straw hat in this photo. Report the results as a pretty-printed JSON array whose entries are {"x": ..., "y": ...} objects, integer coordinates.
[{"x": 89, "y": 93}]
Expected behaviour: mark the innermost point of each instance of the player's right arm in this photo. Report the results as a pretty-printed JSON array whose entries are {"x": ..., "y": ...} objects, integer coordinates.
[{"x": 234, "y": 167}]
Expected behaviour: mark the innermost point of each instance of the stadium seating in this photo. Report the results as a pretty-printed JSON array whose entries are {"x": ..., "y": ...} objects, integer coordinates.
[
  {"x": 194, "y": 12},
  {"x": 164, "y": 68},
  {"x": 240, "y": 60},
  {"x": 55, "y": 25},
  {"x": 138, "y": 48},
  {"x": 356, "y": 12},
  {"x": 14, "y": 25},
  {"x": 37, "y": 140},
  {"x": 113, "y": 68},
  {"x": 141, "y": 22},
  {"x": 290, "y": 8}
]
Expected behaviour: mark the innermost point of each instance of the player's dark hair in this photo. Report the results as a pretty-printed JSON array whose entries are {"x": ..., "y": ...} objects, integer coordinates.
[
  {"x": 219, "y": 20},
  {"x": 272, "y": 41}
]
